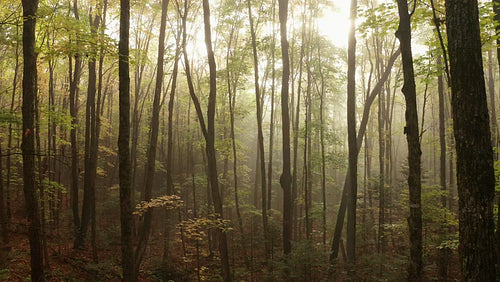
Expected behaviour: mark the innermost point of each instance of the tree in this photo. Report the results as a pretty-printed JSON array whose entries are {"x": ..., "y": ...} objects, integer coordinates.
[
  {"x": 123, "y": 145},
  {"x": 153, "y": 143},
  {"x": 475, "y": 173},
  {"x": 351, "y": 139},
  {"x": 90, "y": 143},
  {"x": 285, "y": 179},
  {"x": 359, "y": 141},
  {"x": 414, "y": 182},
  {"x": 28, "y": 138},
  {"x": 74, "y": 79},
  {"x": 260, "y": 135},
  {"x": 210, "y": 142}
]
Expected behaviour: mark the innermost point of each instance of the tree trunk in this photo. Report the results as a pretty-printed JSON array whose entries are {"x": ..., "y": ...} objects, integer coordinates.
[
  {"x": 381, "y": 241},
  {"x": 496, "y": 18},
  {"x": 74, "y": 78},
  {"x": 353, "y": 148},
  {"x": 475, "y": 173},
  {"x": 414, "y": 153},
  {"x": 271, "y": 121},
  {"x": 28, "y": 138},
  {"x": 4, "y": 232},
  {"x": 210, "y": 142},
  {"x": 170, "y": 143},
  {"x": 493, "y": 111},
  {"x": 149, "y": 170},
  {"x": 359, "y": 141},
  {"x": 90, "y": 144},
  {"x": 285, "y": 179},
  {"x": 123, "y": 145},
  {"x": 260, "y": 135},
  {"x": 295, "y": 172},
  {"x": 444, "y": 252}
]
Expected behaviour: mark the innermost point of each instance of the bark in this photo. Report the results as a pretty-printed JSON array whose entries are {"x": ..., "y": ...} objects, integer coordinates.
[
  {"x": 359, "y": 141},
  {"x": 295, "y": 232},
  {"x": 351, "y": 137},
  {"x": 74, "y": 78},
  {"x": 28, "y": 139},
  {"x": 285, "y": 179},
  {"x": 414, "y": 153},
  {"x": 475, "y": 173},
  {"x": 4, "y": 232},
  {"x": 444, "y": 252},
  {"x": 42, "y": 170},
  {"x": 9, "y": 138},
  {"x": 95, "y": 137},
  {"x": 90, "y": 143},
  {"x": 381, "y": 241},
  {"x": 260, "y": 135},
  {"x": 142, "y": 49},
  {"x": 149, "y": 170},
  {"x": 123, "y": 145},
  {"x": 496, "y": 18},
  {"x": 322, "y": 145},
  {"x": 209, "y": 134},
  {"x": 492, "y": 103},
  {"x": 170, "y": 144},
  {"x": 271, "y": 125},
  {"x": 231, "y": 89}
]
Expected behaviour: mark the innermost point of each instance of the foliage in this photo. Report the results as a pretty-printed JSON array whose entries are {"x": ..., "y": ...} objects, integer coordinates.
[
  {"x": 196, "y": 228},
  {"x": 167, "y": 201}
]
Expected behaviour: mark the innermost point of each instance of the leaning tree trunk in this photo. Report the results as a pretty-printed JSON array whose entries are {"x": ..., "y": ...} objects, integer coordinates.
[
  {"x": 443, "y": 252},
  {"x": 149, "y": 171},
  {"x": 359, "y": 141},
  {"x": 475, "y": 173},
  {"x": 28, "y": 138},
  {"x": 412, "y": 137}
]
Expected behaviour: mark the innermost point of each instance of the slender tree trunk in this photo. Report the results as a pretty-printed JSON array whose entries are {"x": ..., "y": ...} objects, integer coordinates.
[
  {"x": 353, "y": 148},
  {"x": 475, "y": 173},
  {"x": 443, "y": 252},
  {"x": 260, "y": 135},
  {"x": 381, "y": 241},
  {"x": 153, "y": 142},
  {"x": 4, "y": 232},
  {"x": 42, "y": 169},
  {"x": 9, "y": 138},
  {"x": 295, "y": 172},
  {"x": 322, "y": 144},
  {"x": 90, "y": 144},
  {"x": 74, "y": 78},
  {"x": 232, "y": 104},
  {"x": 170, "y": 142},
  {"x": 496, "y": 18},
  {"x": 123, "y": 145},
  {"x": 28, "y": 138},
  {"x": 414, "y": 153},
  {"x": 271, "y": 122},
  {"x": 359, "y": 141},
  {"x": 285, "y": 179}
]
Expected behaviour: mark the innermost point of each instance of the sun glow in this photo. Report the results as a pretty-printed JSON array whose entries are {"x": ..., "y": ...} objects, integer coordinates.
[{"x": 335, "y": 23}]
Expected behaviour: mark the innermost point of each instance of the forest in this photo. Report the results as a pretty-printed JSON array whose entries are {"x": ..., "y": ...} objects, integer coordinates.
[{"x": 249, "y": 140}]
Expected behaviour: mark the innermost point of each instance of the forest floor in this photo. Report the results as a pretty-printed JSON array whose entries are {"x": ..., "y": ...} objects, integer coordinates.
[{"x": 65, "y": 263}]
